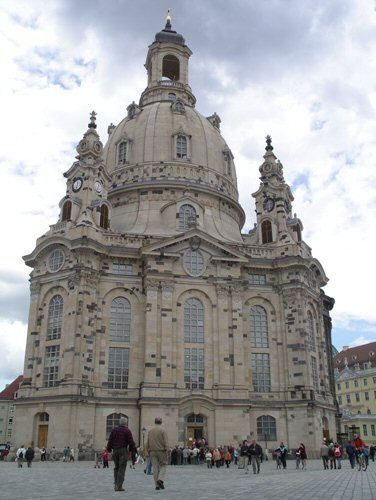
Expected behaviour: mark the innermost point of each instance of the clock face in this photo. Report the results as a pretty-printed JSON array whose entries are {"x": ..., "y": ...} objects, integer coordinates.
[
  {"x": 268, "y": 204},
  {"x": 98, "y": 186},
  {"x": 77, "y": 184}
]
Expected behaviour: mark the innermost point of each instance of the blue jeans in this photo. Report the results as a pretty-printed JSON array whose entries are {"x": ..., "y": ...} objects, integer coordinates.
[
  {"x": 148, "y": 466},
  {"x": 352, "y": 460},
  {"x": 339, "y": 463}
]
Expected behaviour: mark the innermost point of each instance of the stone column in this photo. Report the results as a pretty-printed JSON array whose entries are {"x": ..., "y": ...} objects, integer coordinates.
[
  {"x": 167, "y": 343},
  {"x": 151, "y": 329},
  {"x": 222, "y": 358},
  {"x": 237, "y": 361}
]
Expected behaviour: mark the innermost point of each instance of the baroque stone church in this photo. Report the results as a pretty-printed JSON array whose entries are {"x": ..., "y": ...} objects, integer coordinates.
[{"x": 148, "y": 300}]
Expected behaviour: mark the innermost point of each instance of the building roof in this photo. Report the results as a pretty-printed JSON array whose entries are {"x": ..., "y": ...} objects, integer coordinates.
[
  {"x": 349, "y": 356},
  {"x": 11, "y": 389}
]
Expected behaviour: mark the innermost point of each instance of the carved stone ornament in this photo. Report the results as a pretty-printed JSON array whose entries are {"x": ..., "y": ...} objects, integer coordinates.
[
  {"x": 152, "y": 284},
  {"x": 195, "y": 242},
  {"x": 223, "y": 290}
]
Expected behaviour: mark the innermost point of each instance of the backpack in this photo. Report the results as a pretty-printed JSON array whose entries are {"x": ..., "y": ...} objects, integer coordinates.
[{"x": 337, "y": 452}]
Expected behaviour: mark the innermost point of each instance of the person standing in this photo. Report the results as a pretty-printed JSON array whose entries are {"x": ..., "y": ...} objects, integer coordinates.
[
  {"x": 71, "y": 455},
  {"x": 283, "y": 451},
  {"x": 350, "y": 450},
  {"x": 227, "y": 459},
  {"x": 243, "y": 461},
  {"x": 43, "y": 455},
  {"x": 185, "y": 455},
  {"x": 29, "y": 455},
  {"x": 121, "y": 442},
  {"x": 303, "y": 455},
  {"x": 157, "y": 446},
  {"x": 106, "y": 456},
  {"x": 20, "y": 455},
  {"x": 255, "y": 455},
  {"x": 338, "y": 454},
  {"x": 217, "y": 458},
  {"x": 324, "y": 451},
  {"x": 208, "y": 458}
]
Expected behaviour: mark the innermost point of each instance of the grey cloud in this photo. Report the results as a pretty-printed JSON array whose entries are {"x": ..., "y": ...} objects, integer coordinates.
[{"x": 14, "y": 297}]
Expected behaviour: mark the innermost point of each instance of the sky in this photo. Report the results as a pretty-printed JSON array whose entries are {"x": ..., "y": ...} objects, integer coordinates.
[{"x": 302, "y": 71}]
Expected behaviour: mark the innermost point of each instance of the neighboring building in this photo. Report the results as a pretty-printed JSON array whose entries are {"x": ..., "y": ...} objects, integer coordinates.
[
  {"x": 7, "y": 410},
  {"x": 360, "y": 357},
  {"x": 356, "y": 391},
  {"x": 148, "y": 300}
]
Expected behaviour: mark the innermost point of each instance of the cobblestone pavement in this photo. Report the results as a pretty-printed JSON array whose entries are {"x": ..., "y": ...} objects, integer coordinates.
[{"x": 80, "y": 480}]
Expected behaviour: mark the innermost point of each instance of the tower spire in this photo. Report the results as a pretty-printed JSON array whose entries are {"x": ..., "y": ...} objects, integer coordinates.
[
  {"x": 269, "y": 146},
  {"x": 168, "y": 21},
  {"x": 93, "y": 117}
]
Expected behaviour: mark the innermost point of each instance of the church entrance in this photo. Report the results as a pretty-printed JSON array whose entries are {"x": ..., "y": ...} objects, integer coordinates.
[
  {"x": 42, "y": 428},
  {"x": 196, "y": 429},
  {"x": 42, "y": 436}
]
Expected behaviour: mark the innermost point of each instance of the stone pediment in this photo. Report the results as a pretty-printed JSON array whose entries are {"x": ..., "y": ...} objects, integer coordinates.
[{"x": 194, "y": 239}]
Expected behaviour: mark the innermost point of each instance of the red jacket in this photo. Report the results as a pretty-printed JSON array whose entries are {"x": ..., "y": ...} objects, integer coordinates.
[{"x": 359, "y": 443}]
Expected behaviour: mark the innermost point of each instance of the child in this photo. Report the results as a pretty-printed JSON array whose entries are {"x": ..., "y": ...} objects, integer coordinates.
[{"x": 106, "y": 456}]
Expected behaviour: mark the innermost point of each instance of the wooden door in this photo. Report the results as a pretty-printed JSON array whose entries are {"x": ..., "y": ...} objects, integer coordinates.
[
  {"x": 42, "y": 436},
  {"x": 190, "y": 435}
]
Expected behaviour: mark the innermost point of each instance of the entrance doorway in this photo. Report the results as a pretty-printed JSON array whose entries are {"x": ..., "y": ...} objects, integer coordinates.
[
  {"x": 42, "y": 436},
  {"x": 196, "y": 428},
  {"x": 42, "y": 424},
  {"x": 325, "y": 428}
]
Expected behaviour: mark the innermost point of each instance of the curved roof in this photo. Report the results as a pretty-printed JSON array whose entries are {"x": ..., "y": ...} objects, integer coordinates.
[
  {"x": 359, "y": 354},
  {"x": 150, "y": 135}
]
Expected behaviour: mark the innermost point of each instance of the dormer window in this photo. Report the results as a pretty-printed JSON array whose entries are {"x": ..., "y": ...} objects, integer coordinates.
[
  {"x": 186, "y": 214},
  {"x": 122, "y": 153},
  {"x": 266, "y": 232},
  {"x": 181, "y": 146}
]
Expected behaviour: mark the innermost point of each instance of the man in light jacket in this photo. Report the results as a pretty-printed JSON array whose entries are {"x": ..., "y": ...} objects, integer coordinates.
[{"x": 157, "y": 447}]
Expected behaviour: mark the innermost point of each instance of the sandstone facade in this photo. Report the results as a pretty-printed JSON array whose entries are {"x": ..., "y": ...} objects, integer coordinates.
[{"x": 147, "y": 300}]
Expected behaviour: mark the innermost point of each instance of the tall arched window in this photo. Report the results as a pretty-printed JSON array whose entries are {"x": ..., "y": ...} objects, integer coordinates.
[
  {"x": 193, "y": 321},
  {"x": 311, "y": 331},
  {"x": 181, "y": 146},
  {"x": 258, "y": 327},
  {"x": 112, "y": 421},
  {"x": 170, "y": 67},
  {"x": 266, "y": 428},
  {"x": 266, "y": 231},
  {"x": 67, "y": 210},
  {"x": 186, "y": 212},
  {"x": 122, "y": 153},
  {"x": 55, "y": 317},
  {"x": 104, "y": 217},
  {"x": 120, "y": 325}
]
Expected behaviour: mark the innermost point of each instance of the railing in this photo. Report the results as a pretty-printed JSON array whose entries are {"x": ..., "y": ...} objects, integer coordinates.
[{"x": 170, "y": 83}]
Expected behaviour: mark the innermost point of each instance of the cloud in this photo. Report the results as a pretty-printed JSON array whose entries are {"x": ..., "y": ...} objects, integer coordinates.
[
  {"x": 12, "y": 348},
  {"x": 359, "y": 341}
]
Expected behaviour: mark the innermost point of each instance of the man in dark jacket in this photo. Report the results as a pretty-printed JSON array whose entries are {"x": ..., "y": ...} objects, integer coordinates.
[
  {"x": 255, "y": 456},
  {"x": 121, "y": 442},
  {"x": 29, "y": 455},
  {"x": 350, "y": 450}
]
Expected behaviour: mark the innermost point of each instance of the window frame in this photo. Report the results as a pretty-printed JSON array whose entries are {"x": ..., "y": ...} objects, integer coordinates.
[
  {"x": 194, "y": 368},
  {"x": 122, "y": 153},
  {"x": 266, "y": 232},
  {"x": 120, "y": 320},
  {"x": 118, "y": 373},
  {"x": 55, "y": 317},
  {"x": 186, "y": 211},
  {"x": 261, "y": 372},
  {"x": 51, "y": 366},
  {"x": 269, "y": 422},
  {"x": 191, "y": 264},
  {"x": 258, "y": 327},
  {"x": 194, "y": 321}
]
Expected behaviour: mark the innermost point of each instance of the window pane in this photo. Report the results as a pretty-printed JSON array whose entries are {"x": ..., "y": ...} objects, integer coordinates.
[
  {"x": 120, "y": 326},
  {"x": 266, "y": 428},
  {"x": 51, "y": 366},
  {"x": 186, "y": 212},
  {"x": 118, "y": 368},
  {"x": 122, "y": 153},
  {"x": 258, "y": 327},
  {"x": 261, "y": 372},
  {"x": 194, "y": 262},
  {"x": 181, "y": 146},
  {"x": 194, "y": 368},
  {"x": 55, "y": 317},
  {"x": 193, "y": 321}
]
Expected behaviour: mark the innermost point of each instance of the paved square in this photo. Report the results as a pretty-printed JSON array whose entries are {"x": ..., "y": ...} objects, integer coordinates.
[{"x": 80, "y": 480}]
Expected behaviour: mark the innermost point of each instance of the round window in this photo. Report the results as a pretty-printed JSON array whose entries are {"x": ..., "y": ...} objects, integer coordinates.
[
  {"x": 56, "y": 260},
  {"x": 194, "y": 262}
]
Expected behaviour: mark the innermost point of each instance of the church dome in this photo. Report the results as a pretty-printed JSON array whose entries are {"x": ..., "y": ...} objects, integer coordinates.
[{"x": 151, "y": 135}]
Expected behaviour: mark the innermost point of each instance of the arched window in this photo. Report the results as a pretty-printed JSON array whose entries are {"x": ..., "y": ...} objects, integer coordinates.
[
  {"x": 55, "y": 317},
  {"x": 67, "y": 210},
  {"x": 122, "y": 153},
  {"x": 181, "y": 146},
  {"x": 170, "y": 67},
  {"x": 56, "y": 260},
  {"x": 112, "y": 421},
  {"x": 195, "y": 419},
  {"x": 311, "y": 331},
  {"x": 172, "y": 96},
  {"x": 120, "y": 325},
  {"x": 258, "y": 327},
  {"x": 266, "y": 231},
  {"x": 266, "y": 428},
  {"x": 194, "y": 262},
  {"x": 193, "y": 321},
  {"x": 104, "y": 217},
  {"x": 186, "y": 212}
]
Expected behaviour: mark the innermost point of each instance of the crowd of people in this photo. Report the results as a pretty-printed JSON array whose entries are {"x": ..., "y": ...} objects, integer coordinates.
[{"x": 332, "y": 454}]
